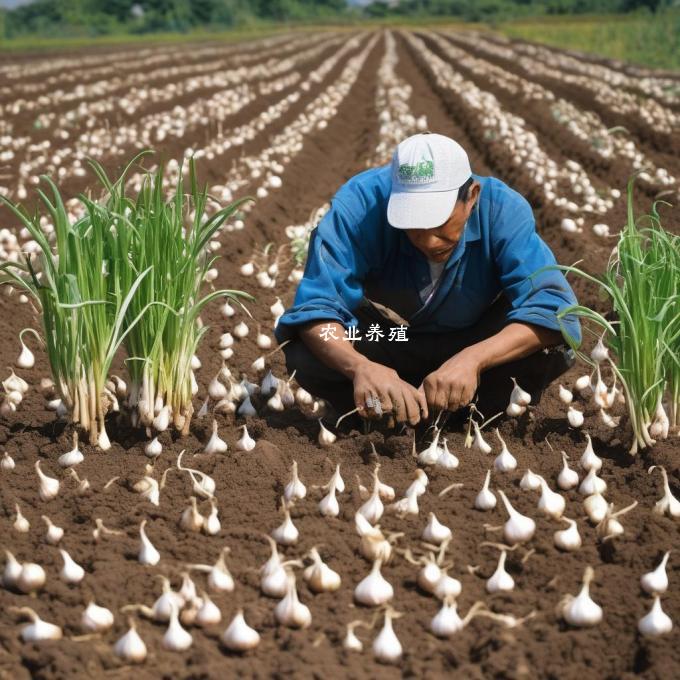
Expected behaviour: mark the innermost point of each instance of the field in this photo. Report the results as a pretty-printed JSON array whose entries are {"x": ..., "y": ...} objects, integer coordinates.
[{"x": 313, "y": 110}]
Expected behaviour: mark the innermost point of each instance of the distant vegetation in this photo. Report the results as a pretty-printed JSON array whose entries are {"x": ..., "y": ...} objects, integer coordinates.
[{"x": 643, "y": 31}]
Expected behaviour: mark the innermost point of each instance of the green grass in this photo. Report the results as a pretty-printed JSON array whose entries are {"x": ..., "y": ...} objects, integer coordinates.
[{"x": 646, "y": 39}]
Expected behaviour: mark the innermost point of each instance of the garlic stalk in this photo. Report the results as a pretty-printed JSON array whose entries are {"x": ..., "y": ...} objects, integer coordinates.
[
  {"x": 246, "y": 442},
  {"x": 668, "y": 503},
  {"x": 148, "y": 554},
  {"x": 485, "y": 500},
  {"x": 505, "y": 461},
  {"x": 581, "y": 610},
  {"x": 518, "y": 528},
  {"x": 49, "y": 486},
  {"x": 21, "y": 524},
  {"x": 386, "y": 646},
  {"x": 290, "y": 611},
  {"x": 295, "y": 489},
  {"x": 656, "y": 582},
  {"x": 568, "y": 478},
  {"x": 72, "y": 457},
  {"x": 38, "y": 630},
  {"x": 54, "y": 533},
  {"x": 656, "y": 622},
  {"x": 71, "y": 572},
  {"x": 320, "y": 577},
  {"x": 96, "y": 619},
  {"x": 215, "y": 444},
  {"x": 568, "y": 539},
  {"x": 239, "y": 636},
  {"x": 130, "y": 647}
]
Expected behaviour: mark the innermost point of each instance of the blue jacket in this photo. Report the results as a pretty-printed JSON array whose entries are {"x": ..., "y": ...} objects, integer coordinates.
[{"x": 355, "y": 252}]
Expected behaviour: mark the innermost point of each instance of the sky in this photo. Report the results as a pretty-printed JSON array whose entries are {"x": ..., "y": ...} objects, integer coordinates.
[{"x": 13, "y": 3}]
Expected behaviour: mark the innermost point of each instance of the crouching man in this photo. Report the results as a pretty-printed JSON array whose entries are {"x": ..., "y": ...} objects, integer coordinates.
[{"x": 418, "y": 294}]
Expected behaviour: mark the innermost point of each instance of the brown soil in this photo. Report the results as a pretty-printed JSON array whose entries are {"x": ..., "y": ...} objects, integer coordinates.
[{"x": 250, "y": 484}]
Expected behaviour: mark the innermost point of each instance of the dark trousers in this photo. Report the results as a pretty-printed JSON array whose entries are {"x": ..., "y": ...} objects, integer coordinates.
[{"x": 423, "y": 353}]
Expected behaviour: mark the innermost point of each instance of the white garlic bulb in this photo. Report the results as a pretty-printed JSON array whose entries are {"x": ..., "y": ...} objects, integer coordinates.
[
  {"x": 374, "y": 589},
  {"x": 656, "y": 622},
  {"x": 96, "y": 619},
  {"x": 239, "y": 636},
  {"x": 320, "y": 577},
  {"x": 130, "y": 647},
  {"x": 581, "y": 610},
  {"x": 435, "y": 532},
  {"x": 147, "y": 552},
  {"x": 485, "y": 500},
  {"x": 656, "y": 582},
  {"x": 71, "y": 572},
  {"x": 290, "y": 611},
  {"x": 386, "y": 646}
]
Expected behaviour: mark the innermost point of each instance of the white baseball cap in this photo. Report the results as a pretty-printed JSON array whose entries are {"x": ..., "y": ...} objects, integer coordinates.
[{"x": 427, "y": 171}]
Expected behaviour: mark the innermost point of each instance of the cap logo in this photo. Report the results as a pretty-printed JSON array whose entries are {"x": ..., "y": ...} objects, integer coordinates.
[{"x": 417, "y": 174}]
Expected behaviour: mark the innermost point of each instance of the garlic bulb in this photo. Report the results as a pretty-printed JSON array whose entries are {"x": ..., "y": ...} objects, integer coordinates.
[
  {"x": 386, "y": 646},
  {"x": 7, "y": 463},
  {"x": 430, "y": 455},
  {"x": 500, "y": 580},
  {"x": 295, "y": 489},
  {"x": 274, "y": 579},
  {"x": 351, "y": 642},
  {"x": 176, "y": 639},
  {"x": 215, "y": 443},
  {"x": 446, "y": 459},
  {"x": 447, "y": 622},
  {"x": 147, "y": 552},
  {"x": 479, "y": 442},
  {"x": 246, "y": 442},
  {"x": 565, "y": 395},
  {"x": 38, "y": 630},
  {"x": 96, "y": 619},
  {"x": 599, "y": 353},
  {"x": 269, "y": 385},
  {"x": 550, "y": 503},
  {"x": 656, "y": 582},
  {"x": 568, "y": 478},
  {"x": 191, "y": 519},
  {"x": 31, "y": 577},
  {"x": 668, "y": 503},
  {"x": 211, "y": 523},
  {"x": 247, "y": 269},
  {"x": 530, "y": 481},
  {"x": 290, "y": 611},
  {"x": 596, "y": 507},
  {"x": 302, "y": 397},
  {"x": 26, "y": 359},
  {"x": 326, "y": 437},
  {"x": 49, "y": 486},
  {"x": 505, "y": 461},
  {"x": 518, "y": 395},
  {"x": 239, "y": 636},
  {"x": 286, "y": 533},
  {"x": 328, "y": 506},
  {"x": 216, "y": 390},
  {"x": 435, "y": 532},
  {"x": 54, "y": 533},
  {"x": 246, "y": 408},
  {"x": 515, "y": 410},
  {"x": 419, "y": 485},
  {"x": 72, "y": 457},
  {"x": 373, "y": 508},
  {"x": 656, "y": 622},
  {"x": 581, "y": 610},
  {"x": 429, "y": 575},
  {"x": 485, "y": 500},
  {"x": 277, "y": 309},
  {"x": 208, "y": 613},
  {"x": 21, "y": 524},
  {"x": 575, "y": 417},
  {"x": 568, "y": 539},
  {"x": 447, "y": 587},
  {"x": 153, "y": 448},
  {"x": 518, "y": 528},
  {"x": 71, "y": 572},
  {"x": 220, "y": 579},
  {"x": 374, "y": 589},
  {"x": 241, "y": 330},
  {"x": 320, "y": 577},
  {"x": 162, "y": 420},
  {"x": 592, "y": 484},
  {"x": 130, "y": 647}
]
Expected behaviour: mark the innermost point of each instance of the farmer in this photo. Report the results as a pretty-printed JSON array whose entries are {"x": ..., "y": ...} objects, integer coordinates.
[{"x": 417, "y": 296}]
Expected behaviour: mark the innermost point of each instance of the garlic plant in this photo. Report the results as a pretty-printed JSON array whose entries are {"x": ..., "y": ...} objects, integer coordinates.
[
  {"x": 568, "y": 478},
  {"x": 581, "y": 610},
  {"x": 386, "y": 646},
  {"x": 435, "y": 532},
  {"x": 656, "y": 582},
  {"x": 668, "y": 504},
  {"x": 320, "y": 577},
  {"x": 72, "y": 457},
  {"x": 148, "y": 555},
  {"x": 505, "y": 461},
  {"x": 374, "y": 589},
  {"x": 239, "y": 636},
  {"x": 130, "y": 647},
  {"x": 656, "y": 622},
  {"x": 286, "y": 533},
  {"x": 290, "y": 611},
  {"x": 485, "y": 500},
  {"x": 96, "y": 619},
  {"x": 518, "y": 528},
  {"x": 38, "y": 630},
  {"x": 568, "y": 539}
]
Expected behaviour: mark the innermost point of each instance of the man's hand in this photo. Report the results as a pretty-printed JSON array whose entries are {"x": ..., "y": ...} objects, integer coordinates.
[
  {"x": 453, "y": 384},
  {"x": 396, "y": 396}
]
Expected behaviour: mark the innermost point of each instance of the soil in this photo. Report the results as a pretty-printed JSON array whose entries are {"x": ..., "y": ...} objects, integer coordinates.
[{"x": 249, "y": 486}]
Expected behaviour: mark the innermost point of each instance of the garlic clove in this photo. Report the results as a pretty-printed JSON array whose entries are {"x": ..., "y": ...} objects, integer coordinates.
[
  {"x": 12, "y": 571},
  {"x": 239, "y": 636},
  {"x": 565, "y": 395},
  {"x": 518, "y": 395},
  {"x": 568, "y": 539},
  {"x": 31, "y": 577},
  {"x": 71, "y": 572},
  {"x": 21, "y": 524},
  {"x": 49, "y": 486},
  {"x": 374, "y": 589},
  {"x": 38, "y": 630},
  {"x": 581, "y": 611},
  {"x": 596, "y": 507},
  {"x": 295, "y": 489},
  {"x": 530, "y": 481},
  {"x": 485, "y": 499},
  {"x": 386, "y": 646},
  {"x": 208, "y": 613},
  {"x": 7, "y": 463},
  {"x": 435, "y": 532},
  {"x": 575, "y": 417},
  {"x": 505, "y": 461},
  {"x": 328, "y": 506},
  {"x": 518, "y": 528},
  {"x": 550, "y": 503},
  {"x": 290, "y": 611},
  {"x": 176, "y": 638},
  {"x": 153, "y": 448},
  {"x": 96, "y": 619},
  {"x": 320, "y": 577},
  {"x": 215, "y": 443},
  {"x": 656, "y": 622},
  {"x": 479, "y": 442},
  {"x": 500, "y": 580},
  {"x": 592, "y": 484},
  {"x": 246, "y": 442},
  {"x": 286, "y": 533},
  {"x": 326, "y": 437},
  {"x": 148, "y": 554},
  {"x": 72, "y": 457},
  {"x": 568, "y": 478},
  {"x": 656, "y": 582},
  {"x": 446, "y": 459},
  {"x": 130, "y": 647}
]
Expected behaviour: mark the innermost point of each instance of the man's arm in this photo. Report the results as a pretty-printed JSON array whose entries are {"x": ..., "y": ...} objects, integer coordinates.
[
  {"x": 368, "y": 377},
  {"x": 454, "y": 383}
]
